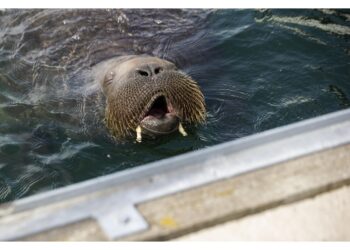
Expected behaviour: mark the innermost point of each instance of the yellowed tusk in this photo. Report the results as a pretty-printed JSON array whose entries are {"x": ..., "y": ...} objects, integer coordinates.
[
  {"x": 182, "y": 130},
  {"x": 138, "y": 134}
]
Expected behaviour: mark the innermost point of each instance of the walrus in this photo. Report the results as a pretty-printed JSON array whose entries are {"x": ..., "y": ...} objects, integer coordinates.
[{"x": 147, "y": 95}]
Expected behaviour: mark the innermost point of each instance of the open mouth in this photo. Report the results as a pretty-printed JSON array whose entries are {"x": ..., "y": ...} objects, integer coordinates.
[
  {"x": 159, "y": 108},
  {"x": 160, "y": 117}
]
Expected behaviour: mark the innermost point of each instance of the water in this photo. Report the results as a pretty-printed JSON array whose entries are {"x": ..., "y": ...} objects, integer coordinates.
[{"x": 258, "y": 69}]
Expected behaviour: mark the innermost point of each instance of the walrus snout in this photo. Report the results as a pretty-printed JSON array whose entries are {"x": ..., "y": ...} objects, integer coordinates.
[
  {"x": 161, "y": 118},
  {"x": 148, "y": 95}
]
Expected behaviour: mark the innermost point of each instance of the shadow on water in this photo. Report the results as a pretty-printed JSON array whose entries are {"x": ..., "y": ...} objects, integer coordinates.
[{"x": 258, "y": 69}]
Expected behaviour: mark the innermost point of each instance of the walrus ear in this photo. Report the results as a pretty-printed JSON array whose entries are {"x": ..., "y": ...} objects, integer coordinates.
[{"x": 109, "y": 77}]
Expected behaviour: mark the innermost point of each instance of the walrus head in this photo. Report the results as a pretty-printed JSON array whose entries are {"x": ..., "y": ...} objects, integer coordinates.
[{"x": 151, "y": 95}]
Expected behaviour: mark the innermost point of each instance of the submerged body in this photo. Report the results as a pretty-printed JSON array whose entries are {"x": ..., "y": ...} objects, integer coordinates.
[{"x": 147, "y": 95}]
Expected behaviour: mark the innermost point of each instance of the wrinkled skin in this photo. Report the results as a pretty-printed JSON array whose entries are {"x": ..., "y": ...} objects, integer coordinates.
[{"x": 150, "y": 93}]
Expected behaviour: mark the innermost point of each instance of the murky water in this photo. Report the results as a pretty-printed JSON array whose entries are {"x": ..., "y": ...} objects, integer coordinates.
[{"x": 258, "y": 70}]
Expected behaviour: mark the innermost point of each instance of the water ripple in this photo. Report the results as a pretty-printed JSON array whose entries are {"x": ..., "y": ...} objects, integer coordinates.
[{"x": 67, "y": 151}]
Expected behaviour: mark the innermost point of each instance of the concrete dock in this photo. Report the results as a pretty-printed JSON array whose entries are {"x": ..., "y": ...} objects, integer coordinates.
[{"x": 324, "y": 217}]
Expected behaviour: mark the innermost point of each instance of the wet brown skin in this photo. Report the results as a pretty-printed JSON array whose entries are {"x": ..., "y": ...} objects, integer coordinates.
[{"x": 148, "y": 92}]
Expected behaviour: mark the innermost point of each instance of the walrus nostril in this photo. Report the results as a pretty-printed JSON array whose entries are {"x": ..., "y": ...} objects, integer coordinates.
[
  {"x": 158, "y": 70},
  {"x": 142, "y": 72}
]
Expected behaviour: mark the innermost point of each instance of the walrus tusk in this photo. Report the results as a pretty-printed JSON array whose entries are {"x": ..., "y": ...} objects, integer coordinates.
[
  {"x": 138, "y": 134},
  {"x": 182, "y": 130}
]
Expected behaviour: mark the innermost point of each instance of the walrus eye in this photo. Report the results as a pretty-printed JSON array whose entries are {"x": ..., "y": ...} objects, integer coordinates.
[{"x": 143, "y": 73}]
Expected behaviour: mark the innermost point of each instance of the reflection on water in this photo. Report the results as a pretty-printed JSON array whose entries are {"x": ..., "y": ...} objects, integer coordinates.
[{"x": 258, "y": 69}]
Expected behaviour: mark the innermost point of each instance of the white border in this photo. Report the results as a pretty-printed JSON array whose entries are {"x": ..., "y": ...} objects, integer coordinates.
[
  {"x": 175, "y": 4},
  {"x": 178, "y": 245}
]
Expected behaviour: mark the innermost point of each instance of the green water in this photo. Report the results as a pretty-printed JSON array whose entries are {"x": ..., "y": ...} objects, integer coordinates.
[{"x": 257, "y": 69}]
